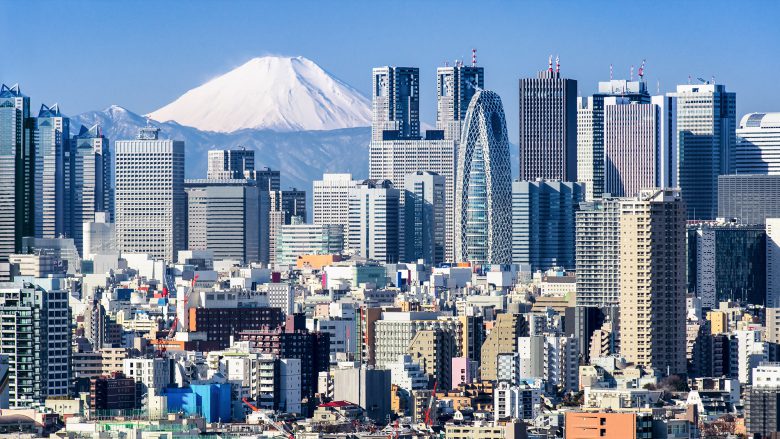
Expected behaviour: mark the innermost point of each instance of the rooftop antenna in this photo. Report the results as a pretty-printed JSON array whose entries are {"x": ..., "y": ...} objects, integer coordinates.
[
  {"x": 473, "y": 57},
  {"x": 713, "y": 79},
  {"x": 689, "y": 79},
  {"x": 631, "y": 76},
  {"x": 642, "y": 71},
  {"x": 610, "y": 72},
  {"x": 657, "y": 87},
  {"x": 557, "y": 64},
  {"x": 446, "y": 63},
  {"x": 549, "y": 64}
]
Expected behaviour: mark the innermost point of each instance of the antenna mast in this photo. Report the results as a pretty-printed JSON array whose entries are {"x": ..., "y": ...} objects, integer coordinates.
[{"x": 473, "y": 57}]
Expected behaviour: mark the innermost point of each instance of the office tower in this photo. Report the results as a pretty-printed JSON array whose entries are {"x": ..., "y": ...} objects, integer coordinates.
[
  {"x": 424, "y": 217},
  {"x": 150, "y": 200},
  {"x": 373, "y": 220},
  {"x": 548, "y": 126},
  {"x": 597, "y": 236},
  {"x": 224, "y": 215},
  {"x": 268, "y": 179},
  {"x": 501, "y": 340},
  {"x": 51, "y": 136},
  {"x": 483, "y": 209},
  {"x": 330, "y": 199},
  {"x": 637, "y": 151},
  {"x": 17, "y": 165},
  {"x": 293, "y": 204},
  {"x": 706, "y": 137},
  {"x": 455, "y": 86},
  {"x": 91, "y": 191},
  {"x": 590, "y": 129},
  {"x": 298, "y": 239},
  {"x": 727, "y": 262},
  {"x": 231, "y": 164},
  {"x": 37, "y": 345},
  {"x": 652, "y": 280},
  {"x": 758, "y": 144},
  {"x": 773, "y": 262},
  {"x": 395, "y": 103},
  {"x": 762, "y": 402},
  {"x": 749, "y": 198},
  {"x": 543, "y": 223}
]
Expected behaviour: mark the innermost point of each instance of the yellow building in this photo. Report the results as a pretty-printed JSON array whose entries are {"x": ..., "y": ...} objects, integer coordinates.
[{"x": 719, "y": 322}]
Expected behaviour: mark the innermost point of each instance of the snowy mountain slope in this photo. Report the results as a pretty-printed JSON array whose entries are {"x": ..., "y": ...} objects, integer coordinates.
[
  {"x": 270, "y": 93},
  {"x": 301, "y": 156}
]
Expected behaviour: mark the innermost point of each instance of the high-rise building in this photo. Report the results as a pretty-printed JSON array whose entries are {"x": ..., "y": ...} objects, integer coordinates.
[
  {"x": 483, "y": 197},
  {"x": 543, "y": 223},
  {"x": 283, "y": 207},
  {"x": 268, "y": 179},
  {"x": 51, "y": 139},
  {"x": 38, "y": 344},
  {"x": 590, "y": 130},
  {"x": 224, "y": 215},
  {"x": 758, "y": 144},
  {"x": 396, "y": 331},
  {"x": 298, "y": 239},
  {"x": 501, "y": 340},
  {"x": 749, "y": 198},
  {"x": 597, "y": 257},
  {"x": 17, "y": 165},
  {"x": 773, "y": 262},
  {"x": 396, "y": 103},
  {"x": 424, "y": 217},
  {"x": 727, "y": 262},
  {"x": 706, "y": 137},
  {"x": 231, "y": 164},
  {"x": 548, "y": 126},
  {"x": 91, "y": 182},
  {"x": 652, "y": 280},
  {"x": 150, "y": 198},
  {"x": 98, "y": 236},
  {"x": 293, "y": 204},
  {"x": 762, "y": 402},
  {"x": 330, "y": 199},
  {"x": 455, "y": 86},
  {"x": 373, "y": 220}
]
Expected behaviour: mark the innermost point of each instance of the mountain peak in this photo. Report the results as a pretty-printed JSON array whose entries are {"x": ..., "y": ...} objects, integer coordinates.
[{"x": 271, "y": 92}]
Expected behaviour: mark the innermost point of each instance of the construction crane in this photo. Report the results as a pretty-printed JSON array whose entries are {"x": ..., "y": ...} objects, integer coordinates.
[
  {"x": 263, "y": 417},
  {"x": 430, "y": 405}
]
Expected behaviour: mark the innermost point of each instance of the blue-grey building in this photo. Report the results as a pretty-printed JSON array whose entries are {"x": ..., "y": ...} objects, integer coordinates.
[
  {"x": 52, "y": 178},
  {"x": 424, "y": 217},
  {"x": 543, "y": 223},
  {"x": 749, "y": 198},
  {"x": 90, "y": 181}
]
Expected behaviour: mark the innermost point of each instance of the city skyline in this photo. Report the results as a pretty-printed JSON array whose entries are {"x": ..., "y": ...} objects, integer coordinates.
[{"x": 186, "y": 59}]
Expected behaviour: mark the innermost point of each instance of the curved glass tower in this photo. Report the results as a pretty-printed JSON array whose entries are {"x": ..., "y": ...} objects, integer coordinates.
[{"x": 483, "y": 198}]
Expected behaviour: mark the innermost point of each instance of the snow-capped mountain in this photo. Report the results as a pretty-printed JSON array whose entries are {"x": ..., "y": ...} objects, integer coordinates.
[
  {"x": 301, "y": 156},
  {"x": 282, "y": 94}
]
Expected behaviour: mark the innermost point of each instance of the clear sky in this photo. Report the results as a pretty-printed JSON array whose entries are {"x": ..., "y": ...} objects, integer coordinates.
[{"x": 87, "y": 55}]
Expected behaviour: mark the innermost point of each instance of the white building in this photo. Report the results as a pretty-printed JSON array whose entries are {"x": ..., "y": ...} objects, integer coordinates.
[
  {"x": 299, "y": 239},
  {"x": 767, "y": 375},
  {"x": 151, "y": 373},
  {"x": 373, "y": 220},
  {"x": 98, "y": 236},
  {"x": 516, "y": 401},
  {"x": 282, "y": 296},
  {"x": 290, "y": 385},
  {"x": 407, "y": 374},
  {"x": 508, "y": 368},
  {"x": 758, "y": 144},
  {"x": 150, "y": 203},
  {"x": 330, "y": 199},
  {"x": 751, "y": 350},
  {"x": 553, "y": 358}
]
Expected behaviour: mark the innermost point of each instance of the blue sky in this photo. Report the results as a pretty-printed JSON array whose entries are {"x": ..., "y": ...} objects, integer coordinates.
[{"x": 87, "y": 55}]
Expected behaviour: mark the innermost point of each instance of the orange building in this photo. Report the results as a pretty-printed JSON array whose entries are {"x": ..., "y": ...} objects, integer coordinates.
[
  {"x": 587, "y": 425},
  {"x": 316, "y": 262}
]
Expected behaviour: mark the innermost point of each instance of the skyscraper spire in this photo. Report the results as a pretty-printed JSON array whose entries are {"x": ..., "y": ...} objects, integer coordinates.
[{"x": 473, "y": 57}]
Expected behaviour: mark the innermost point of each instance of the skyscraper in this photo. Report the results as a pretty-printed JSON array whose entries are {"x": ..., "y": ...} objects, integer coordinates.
[
  {"x": 424, "y": 217},
  {"x": 231, "y": 164},
  {"x": 758, "y": 144},
  {"x": 396, "y": 103},
  {"x": 150, "y": 199},
  {"x": 373, "y": 220},
  {"x": 483, "y": 196},
  {"x": 455, "y": 86},
  {"x": 91, "y": 191},
  {"x": 652, "y": 280},
  {"x": 293, "y": 204},
  {"x": 750, "y": 198},
  {"x": 543, "y": 223},
  {"x": 16, "y": 170},
  {"x": 773, "y": 262},
  {"x": 52, "y": 134},
  {"x": 590, "y": 130},
  {"x": 706, "y": 136},
  {"x": 548, "y": 126},
  {"x": 331, "y": 199},
  {"x": 598, "y": 253}
]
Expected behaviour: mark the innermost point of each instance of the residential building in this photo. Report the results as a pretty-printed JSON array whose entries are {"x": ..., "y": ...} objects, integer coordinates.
[
  {"x": 433, "y": 350},
  {"x": 425, "y": 217},
  {"x": 484, "y": 185},
  {"x": 758, "y": 144},
  {"x": 749, "y": 198},
  {"x": 548, "y": 126},
  {"x": 553, "y": 358},
  {"x": 706, "y": 136},
  {"x": 115, "y": 392},
  {"x": 516, "y": 401},
  {"x": 91, "y": 191},
  {"x": 369, "y": 388},
  {"x": 151, "y": 375},
  {"x": 485, "y": 430},
  {"x": 597, "y": 259},
  {"x": 150, "y": 204},
  {"x": 373, "y": 220},
  {"x": 501, "y": 340},
  {"x": 282, "y": 296},
  {"x": 762, "y": 401},
  {"x": 629, "y": 425},
  {"x": 395, "y": 103},
  {"x": 35, "y": 336},
  {"x": 652, "y": 280},
  {"x": 224, "y": 216},
  {"x": 221, "y": 324},
  {"x": 543, "y": 223}
]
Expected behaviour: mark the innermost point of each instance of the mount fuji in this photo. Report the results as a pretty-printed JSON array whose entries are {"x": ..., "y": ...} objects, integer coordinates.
[
  {"x": 297, "y": 118},
  {"x": 270, "y": 93}
]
